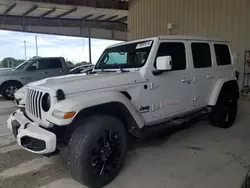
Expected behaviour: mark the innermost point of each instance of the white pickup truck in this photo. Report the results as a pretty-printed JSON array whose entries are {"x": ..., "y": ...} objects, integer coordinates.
[{"x": 135, "y": 86}]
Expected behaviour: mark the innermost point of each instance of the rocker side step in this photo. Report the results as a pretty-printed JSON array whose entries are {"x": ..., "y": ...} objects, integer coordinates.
[{"x": 176, "y": 123}]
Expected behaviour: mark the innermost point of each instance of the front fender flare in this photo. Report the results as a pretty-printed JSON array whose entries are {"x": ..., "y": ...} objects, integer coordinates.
[{"x": 84, "y": 101}]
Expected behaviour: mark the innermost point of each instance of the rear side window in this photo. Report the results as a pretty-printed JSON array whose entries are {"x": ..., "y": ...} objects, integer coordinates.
[
  {"x": 55, "y": 64},
  {"x": 201, "y": 55},
  {"x": 177, "y": 51},
  {"x": 222, "y": 53}
]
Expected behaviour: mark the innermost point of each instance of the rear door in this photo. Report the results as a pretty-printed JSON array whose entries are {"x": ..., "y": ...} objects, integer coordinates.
[
  {"x": 203, "y": 74},
  {"x": 53, "y": 67}
]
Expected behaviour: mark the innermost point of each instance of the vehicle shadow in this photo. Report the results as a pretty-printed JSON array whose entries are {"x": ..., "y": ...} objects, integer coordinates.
[
  {"x": 1, "y": 98},
  {"x": 161, "y": 136}
]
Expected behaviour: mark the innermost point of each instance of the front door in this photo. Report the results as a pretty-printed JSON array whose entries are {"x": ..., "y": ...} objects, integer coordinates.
[
  {"x": 202, "y": 73},
  {"x": 33, "y": 73},
  {"x": 171, "y": 91}
]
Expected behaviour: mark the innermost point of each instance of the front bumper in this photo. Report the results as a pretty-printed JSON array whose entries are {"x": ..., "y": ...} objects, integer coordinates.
[
  {"x": 30, "y": 136},
  {"x": 19, "y": 103}
]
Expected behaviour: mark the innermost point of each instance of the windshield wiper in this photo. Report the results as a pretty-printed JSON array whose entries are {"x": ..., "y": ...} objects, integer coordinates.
[
  {"x": 121, "y": 69},
  {"x": 116, "y": 64},
  {"x": 105, "y": 70}
]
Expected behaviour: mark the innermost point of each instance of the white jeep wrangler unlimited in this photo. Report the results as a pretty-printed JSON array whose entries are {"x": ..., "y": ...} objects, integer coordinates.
[{"x": 134, "y": 86}]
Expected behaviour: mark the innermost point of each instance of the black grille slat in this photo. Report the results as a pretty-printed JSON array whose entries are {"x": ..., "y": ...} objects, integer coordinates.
[
  {"x": 35, "y": 103},
  {"x": 27, "y": 100},
  {"x": 31, "y": 101},
  {"x": 39, "y": 105}
]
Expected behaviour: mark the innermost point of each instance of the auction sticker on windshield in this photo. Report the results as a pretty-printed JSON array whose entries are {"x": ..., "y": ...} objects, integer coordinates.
[{"x": 144, "y": 45}]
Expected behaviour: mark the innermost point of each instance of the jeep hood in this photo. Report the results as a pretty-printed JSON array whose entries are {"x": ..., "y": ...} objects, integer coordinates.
[{"x": 71, "y": 84}]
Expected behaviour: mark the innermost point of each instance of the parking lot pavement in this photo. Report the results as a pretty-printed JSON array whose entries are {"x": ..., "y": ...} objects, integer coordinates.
[{"x": 199, "y": 156}]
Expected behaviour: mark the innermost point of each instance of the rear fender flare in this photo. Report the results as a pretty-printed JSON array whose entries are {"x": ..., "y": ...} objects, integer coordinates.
[{"x": 221, "y": 85}]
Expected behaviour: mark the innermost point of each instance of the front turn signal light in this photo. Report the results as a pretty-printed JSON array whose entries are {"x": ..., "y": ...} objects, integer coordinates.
[
  {"x": 69, "y": 115},
  {"x": 63, "y": 115}
]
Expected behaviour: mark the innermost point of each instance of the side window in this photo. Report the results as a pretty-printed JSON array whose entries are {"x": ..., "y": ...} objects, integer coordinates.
[
  {"x": 34, "y": 66},
  {"x": 177, "y": 51},
  {"x": 222, "y": 53},
  {"x": 141, "y": 57},
  {"x": 43, "y": 64},
  {"x": 201, "y": 55},
  {"x": 49, "y": 64},
  {"x": 55, "y": 64}
]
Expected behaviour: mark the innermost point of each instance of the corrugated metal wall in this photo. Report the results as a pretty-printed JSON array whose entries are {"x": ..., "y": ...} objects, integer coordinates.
[{"x": 224, "y": 19}]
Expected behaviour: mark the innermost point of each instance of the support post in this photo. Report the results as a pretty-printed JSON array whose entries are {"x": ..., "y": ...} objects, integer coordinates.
[
  {"x": 25, "y": 52},
  {"x": 90, "y": 53},
  {"x": 36, "y": 47}
]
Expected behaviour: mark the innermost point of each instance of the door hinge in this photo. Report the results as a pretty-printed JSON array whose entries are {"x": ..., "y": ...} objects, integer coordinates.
[
  {"x": 155, "y": 107},
  {"x": 194, "y": 98},
  {"x": 194, "y": 79},
  {"x": 153, "y": 86}
]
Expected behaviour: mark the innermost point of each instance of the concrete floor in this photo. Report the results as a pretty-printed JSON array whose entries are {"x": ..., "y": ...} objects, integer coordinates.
[{"x": 200, "y": 156}]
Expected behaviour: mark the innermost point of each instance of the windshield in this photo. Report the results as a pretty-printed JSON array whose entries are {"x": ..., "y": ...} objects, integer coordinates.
[
  {"x": 23, "y": 65},
  {"x": 132, "y": 55}
]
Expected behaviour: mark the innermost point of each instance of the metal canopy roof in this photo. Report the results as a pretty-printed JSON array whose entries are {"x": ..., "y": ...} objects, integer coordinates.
[
  {"x": 105, "y": 19},
  {"x": 113, "y": 4}
]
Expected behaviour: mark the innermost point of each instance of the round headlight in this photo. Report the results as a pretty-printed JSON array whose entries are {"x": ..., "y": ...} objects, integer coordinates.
[
  {"x": 60, "y": 95},
  {"x": 46, "y": 102}
]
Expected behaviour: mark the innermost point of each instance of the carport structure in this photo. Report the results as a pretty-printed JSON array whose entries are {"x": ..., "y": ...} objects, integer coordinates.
[{"x": 103, "y": 19}]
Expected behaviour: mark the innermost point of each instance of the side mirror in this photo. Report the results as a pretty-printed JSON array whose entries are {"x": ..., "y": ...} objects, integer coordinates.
[
  {"x": 31, "y": 68},
  {"x": 164, "y": 63}
]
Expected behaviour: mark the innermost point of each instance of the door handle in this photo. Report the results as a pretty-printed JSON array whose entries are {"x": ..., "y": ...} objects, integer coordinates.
[
  {"x": 209, "y": 76},
  {"x": 185, "y": 80},
  {"x": 45, "y": 72}
]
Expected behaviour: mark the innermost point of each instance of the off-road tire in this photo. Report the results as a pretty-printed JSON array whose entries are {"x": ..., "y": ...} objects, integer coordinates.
[
  {"x": 86, "y": 142},
  {"x": 8, "y": 85},
  {"x": 246, "y": 183},
  {"x": 223, "y": 115}
]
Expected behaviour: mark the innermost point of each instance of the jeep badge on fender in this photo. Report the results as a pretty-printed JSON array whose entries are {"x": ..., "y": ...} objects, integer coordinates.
[{"x": 144, "y": 109}]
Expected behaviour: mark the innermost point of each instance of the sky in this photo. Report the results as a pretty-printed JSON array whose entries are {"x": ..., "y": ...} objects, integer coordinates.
[{"x": 73, "y": 49}]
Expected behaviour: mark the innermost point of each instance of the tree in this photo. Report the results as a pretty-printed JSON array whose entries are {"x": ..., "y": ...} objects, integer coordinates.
[
  {"x": 10, "y": 62},
  {"x": 82, "y": 63},
  {"x": 70, "y": 64}
]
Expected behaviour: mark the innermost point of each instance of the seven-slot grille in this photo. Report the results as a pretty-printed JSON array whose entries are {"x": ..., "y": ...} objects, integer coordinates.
[{"x": 33, "y": 102}]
